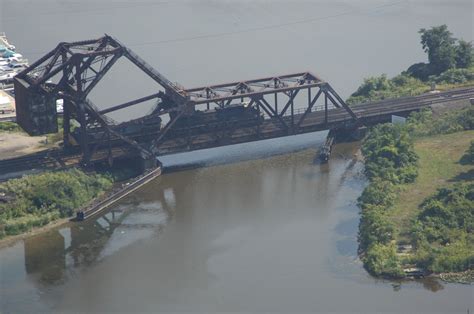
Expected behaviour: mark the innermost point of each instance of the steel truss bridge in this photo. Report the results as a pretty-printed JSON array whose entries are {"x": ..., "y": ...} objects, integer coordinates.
[{"x": 289, "y": 104}]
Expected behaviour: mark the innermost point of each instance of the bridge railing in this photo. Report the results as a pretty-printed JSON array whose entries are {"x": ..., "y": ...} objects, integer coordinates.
[{"x": 298, "y": 111}]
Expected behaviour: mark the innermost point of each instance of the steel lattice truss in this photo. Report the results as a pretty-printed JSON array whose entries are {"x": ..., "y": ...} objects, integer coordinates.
[
  {"x": 223, "y": 93},
  {"x": 77, "y": 67}
]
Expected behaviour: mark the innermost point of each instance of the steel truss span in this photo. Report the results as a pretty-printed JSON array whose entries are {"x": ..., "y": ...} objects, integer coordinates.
[{"x": 72, "y": 70}]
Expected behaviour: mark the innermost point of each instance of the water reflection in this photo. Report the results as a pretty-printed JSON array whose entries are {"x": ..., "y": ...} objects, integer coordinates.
[
  {"x": 265, "y": 227},
  {"x": 51, "y": 256}
]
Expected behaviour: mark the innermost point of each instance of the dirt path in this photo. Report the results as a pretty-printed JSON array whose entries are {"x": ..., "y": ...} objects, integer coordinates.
[{"x": 13, "y": 144}]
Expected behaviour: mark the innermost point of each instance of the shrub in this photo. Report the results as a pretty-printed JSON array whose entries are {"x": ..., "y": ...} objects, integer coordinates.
[
  {"x": 468, "y": 156},
  {"x": 378, "y": 192},
  {"x": 454, "y": 76},
  {"x": 9, "y": 126},
  {"x": 443, "y": 232},
  {"x": 382, "y": 260},
  {"x": 380, "y": 87},
  {"x": 424, "y": 124},
  {"x": 39, "y": 199},
  {"x": 374, "y": 227},
  {"x": 389, "y": 154}
]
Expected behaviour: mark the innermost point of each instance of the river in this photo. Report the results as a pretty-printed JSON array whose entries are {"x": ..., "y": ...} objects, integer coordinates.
[{"x": 261, "y": 228}]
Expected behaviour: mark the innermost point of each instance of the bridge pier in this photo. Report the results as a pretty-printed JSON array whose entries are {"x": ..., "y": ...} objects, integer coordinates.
[{"x": 146, "y": 163}]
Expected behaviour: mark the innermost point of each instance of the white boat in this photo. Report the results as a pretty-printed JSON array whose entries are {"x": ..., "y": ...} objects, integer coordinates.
[
  {"x": 4, "y": 41},
  {"x": 13, "y": 66},
  {"x": 11, "y": 62},
  {"x": 6, "y": 78}
]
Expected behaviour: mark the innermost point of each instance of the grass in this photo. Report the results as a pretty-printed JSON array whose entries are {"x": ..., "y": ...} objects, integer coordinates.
[
  {"x": 447, "y": 87},
  {"x": 7, "y": 126},
  {"x": 36, "y": 200},
  {"x": 438, "y": 166}
]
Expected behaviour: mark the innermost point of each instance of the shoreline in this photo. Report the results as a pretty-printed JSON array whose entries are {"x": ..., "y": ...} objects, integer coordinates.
[
  {"x": 10, "y": 240},
  {"x": 404, "y": 195}
]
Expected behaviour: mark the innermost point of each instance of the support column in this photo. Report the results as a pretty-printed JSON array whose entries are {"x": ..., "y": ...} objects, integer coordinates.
[
  {"x": 84, "y": 138},
  {"x": 66, "y": 109},
  {"x": 66, "y": 123},
  {"x": 276, "y": 103},
  {"x": 292, "y": 115},
  {"x": 325, "y": 108},
  {"x": 86, "y": 157},
  {"x": 258, "y": 119}
]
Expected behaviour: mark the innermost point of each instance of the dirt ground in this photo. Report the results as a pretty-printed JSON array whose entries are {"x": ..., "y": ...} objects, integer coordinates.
[{"x": 13, "y": 144}]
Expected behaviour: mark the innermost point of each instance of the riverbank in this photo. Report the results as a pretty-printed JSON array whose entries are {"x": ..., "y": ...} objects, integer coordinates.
[
  {"x": 35, "y": 201},
  {"x": 12, "y": 239},
  {"x": 416, "y": 213}
]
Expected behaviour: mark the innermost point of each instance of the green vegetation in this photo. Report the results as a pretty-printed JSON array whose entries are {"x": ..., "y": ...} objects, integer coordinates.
[
  {"x": 443, "y": 232},
  {"x": 389, "y": 155},
  {"x": 9, "y": 127},
  {"x": 36, "y": 200},
  {"x": 390, "y": 160},
  {"x": 451, "y": 64},
  {"x": 401, "y": 204},
  {"x": 468, "y": 157},
  {"x": 444, "y": 52},
  {"x": 439, "y": 165},
  {"x": 381, "y": 87},
  {"x": 423, "y": 123}
]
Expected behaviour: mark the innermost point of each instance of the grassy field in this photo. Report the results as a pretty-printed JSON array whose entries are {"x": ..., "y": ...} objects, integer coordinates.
[{"x": 438, "y": 166}]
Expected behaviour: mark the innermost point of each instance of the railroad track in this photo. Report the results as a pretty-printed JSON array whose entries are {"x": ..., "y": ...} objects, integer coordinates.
[
  {"x": 57, "y": 158},
  {"x": 36, "y": 160}
]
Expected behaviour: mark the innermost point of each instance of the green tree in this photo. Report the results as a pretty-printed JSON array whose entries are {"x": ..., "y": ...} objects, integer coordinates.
[
  {"x": 439, "y": 43},
  {"x": 382, "y": 260},
  {"x": 464, "y": 54}
]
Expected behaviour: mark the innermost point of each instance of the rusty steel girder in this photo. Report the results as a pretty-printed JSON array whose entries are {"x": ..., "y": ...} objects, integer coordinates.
[
  {"x": 72, "y": 70},
  {"x": 76, "y": 68}
]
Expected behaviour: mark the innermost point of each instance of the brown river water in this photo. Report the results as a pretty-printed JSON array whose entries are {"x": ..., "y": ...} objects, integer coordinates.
[{"x": 262, "y": 227}]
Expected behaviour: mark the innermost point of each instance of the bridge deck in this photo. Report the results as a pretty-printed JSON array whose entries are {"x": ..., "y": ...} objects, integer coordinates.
[{"x": 369, "y": 113}]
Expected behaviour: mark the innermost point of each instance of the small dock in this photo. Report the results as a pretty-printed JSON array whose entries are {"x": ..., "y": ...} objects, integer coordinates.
[{"x": 116, "y": 195}]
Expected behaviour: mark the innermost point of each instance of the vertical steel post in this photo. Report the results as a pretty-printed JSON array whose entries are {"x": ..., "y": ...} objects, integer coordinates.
[
  {"x": 66, "y": 123},
  {"x": 66, "y": 110},
  {"x": 110, "y": 156},
  {"x": 325, "y": 108},
  {"x": 309, "y": 97},
  {"x": 82, "y": 115},
  {"x": 276, "y": 103},
  {"x": 292, "y": 114},
  {"x": 258, "y": 119}
]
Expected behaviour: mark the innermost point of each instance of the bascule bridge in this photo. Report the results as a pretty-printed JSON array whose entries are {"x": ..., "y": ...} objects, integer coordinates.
[{"x": 182, "y": 120}]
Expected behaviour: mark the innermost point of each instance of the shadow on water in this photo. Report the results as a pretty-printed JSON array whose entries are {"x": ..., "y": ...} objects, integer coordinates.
[
  {"x": 348, "y": 228},
  {"x": 242, "y": 152},
  {"x": 52, "y": 256}
]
